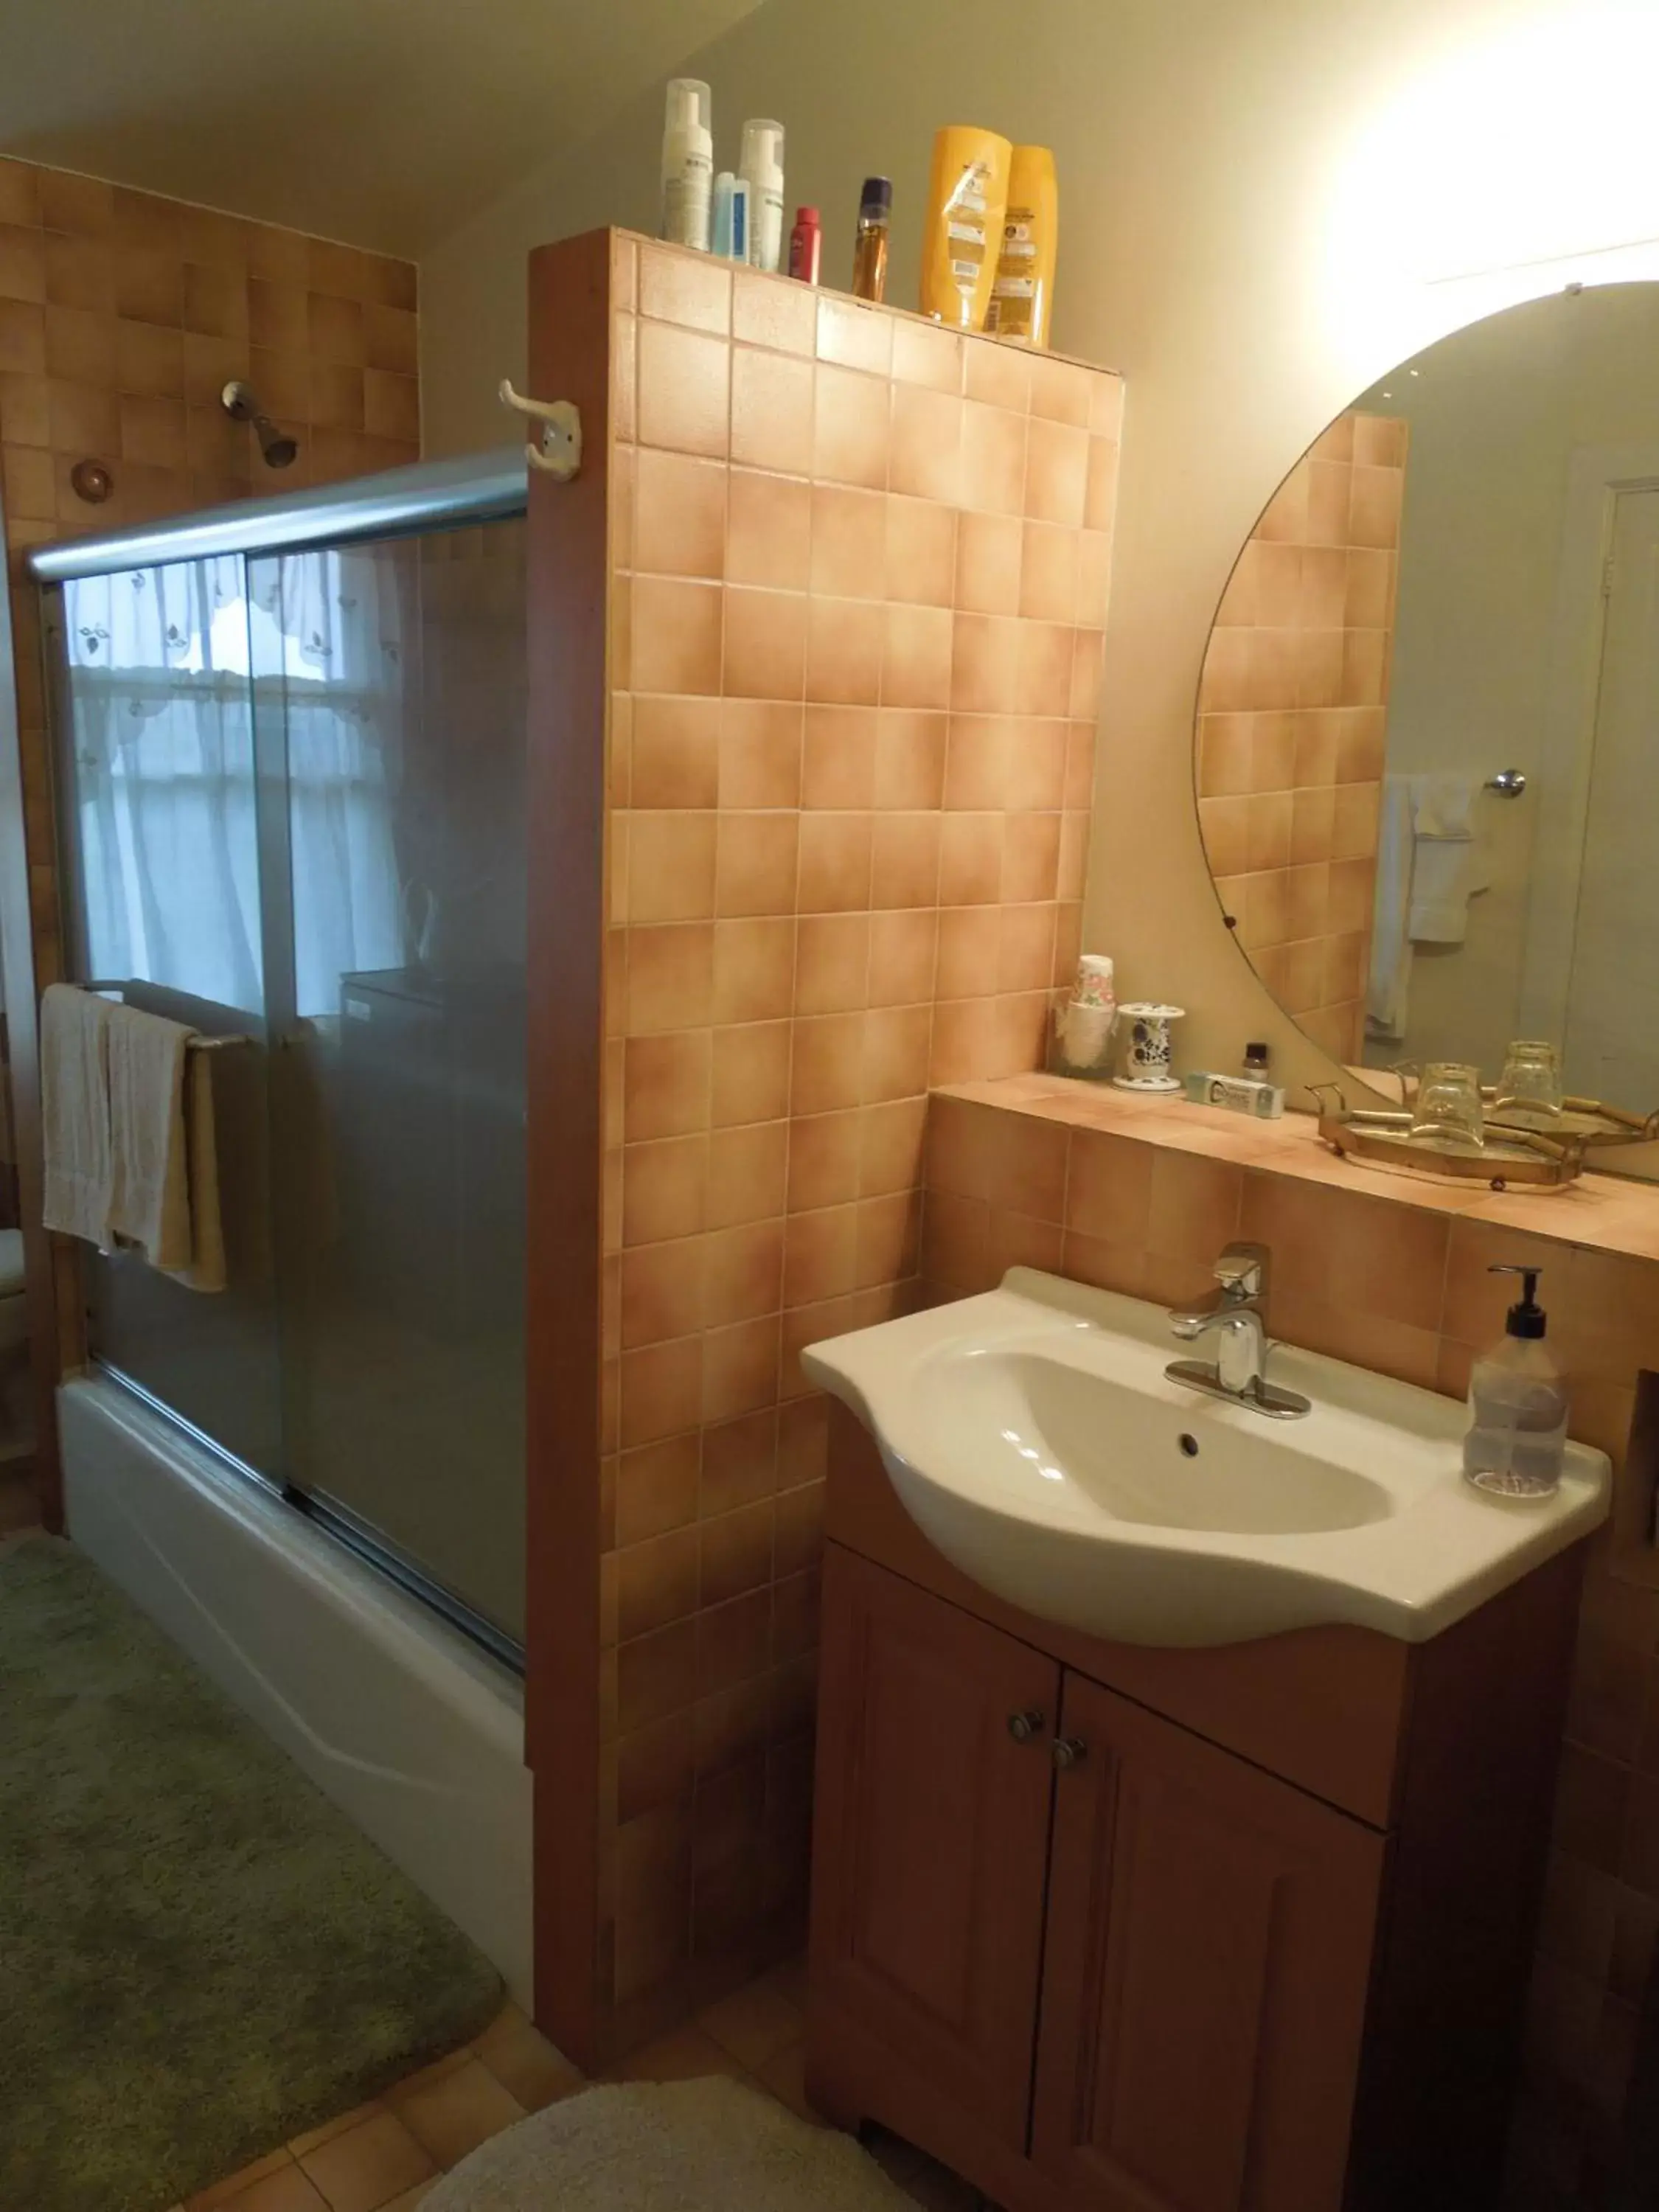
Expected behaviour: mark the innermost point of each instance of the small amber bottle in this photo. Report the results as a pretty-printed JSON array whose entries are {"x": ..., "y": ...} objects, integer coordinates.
[{"x": 870, "y": 246}]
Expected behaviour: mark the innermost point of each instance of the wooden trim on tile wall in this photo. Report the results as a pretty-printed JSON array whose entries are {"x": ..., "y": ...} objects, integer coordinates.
[
  {"x": 566, "y": 602},
  {"x": 23, "y": 1052}
]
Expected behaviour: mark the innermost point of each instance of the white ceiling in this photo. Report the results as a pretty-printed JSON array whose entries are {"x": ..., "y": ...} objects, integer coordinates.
[{"x": 382, "y": 122}]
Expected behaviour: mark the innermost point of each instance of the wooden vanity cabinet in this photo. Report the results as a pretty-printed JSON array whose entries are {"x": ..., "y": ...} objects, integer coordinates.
[
  {"x": 939, "y": 1813},
  {"x": 1209, "y": 1942},
  {"x": 1101, "y": 1958}
]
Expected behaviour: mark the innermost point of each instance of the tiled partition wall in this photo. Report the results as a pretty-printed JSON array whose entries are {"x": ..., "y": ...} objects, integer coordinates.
[
  {"x": 1368, "y": 1268},
  {"x": 1291, "y": 714},
  {"x": 122, "y": 317},
  {"x": 859, "y": 579}
]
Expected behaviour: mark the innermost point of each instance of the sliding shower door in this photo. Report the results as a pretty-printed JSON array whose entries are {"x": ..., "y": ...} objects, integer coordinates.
[
  {"x": 293, "y": 816},
  {"x": 392, "y": 743},
  {"x": 158, "y": 818}
]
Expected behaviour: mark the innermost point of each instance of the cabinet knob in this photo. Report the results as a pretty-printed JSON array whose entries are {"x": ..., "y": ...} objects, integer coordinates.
[
  {"x": 1025, "y": 1727},
  {"x": 1069, "y": 1750}
]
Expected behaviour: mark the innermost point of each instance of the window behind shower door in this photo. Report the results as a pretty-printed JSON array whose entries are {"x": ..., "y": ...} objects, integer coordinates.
[
  {"x": 157, "y": 806},
  {"x": 292, "y": 808}
]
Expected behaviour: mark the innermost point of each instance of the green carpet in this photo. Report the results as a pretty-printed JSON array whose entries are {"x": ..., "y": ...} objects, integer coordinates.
[{"x": 200, "y": 1956}]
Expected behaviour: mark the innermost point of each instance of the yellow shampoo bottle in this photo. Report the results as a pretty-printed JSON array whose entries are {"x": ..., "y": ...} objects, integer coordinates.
[
  {"x": 1021, "y": 296},
  {"x": 966, "y": 197}
]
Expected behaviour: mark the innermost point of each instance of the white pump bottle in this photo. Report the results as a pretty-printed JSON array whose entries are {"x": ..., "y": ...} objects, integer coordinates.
[
  {"x": 688, "y": 163},
  {"x": 761, "y": 166}
]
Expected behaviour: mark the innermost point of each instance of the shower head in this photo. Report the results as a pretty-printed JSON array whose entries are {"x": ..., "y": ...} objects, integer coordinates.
[{"x": 239, "y": 403}]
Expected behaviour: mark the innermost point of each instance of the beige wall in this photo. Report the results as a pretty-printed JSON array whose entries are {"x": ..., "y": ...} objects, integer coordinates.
[
  {"x": 1236, "y": 237},
  {"x": 1498, "y": 414}
]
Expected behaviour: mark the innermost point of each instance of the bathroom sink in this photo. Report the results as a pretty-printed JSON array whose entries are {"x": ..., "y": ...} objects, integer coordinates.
[{"x": 1033, "y": 1436}]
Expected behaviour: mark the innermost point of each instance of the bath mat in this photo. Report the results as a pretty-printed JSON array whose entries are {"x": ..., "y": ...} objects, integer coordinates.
[
  {"x": 199, "y": 1955},
  {"x": 709, "y": 2146}
]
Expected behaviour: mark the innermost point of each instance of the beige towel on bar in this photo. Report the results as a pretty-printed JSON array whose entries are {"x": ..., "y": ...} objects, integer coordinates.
[
  {"x": 149, "y": 1172},
  {"x": 75, "y": 1112},
  {"x": 206, "y": 1271}
]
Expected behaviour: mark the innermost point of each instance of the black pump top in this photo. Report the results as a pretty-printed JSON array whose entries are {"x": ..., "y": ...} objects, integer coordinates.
[{"x": 1528, "y": 1318}]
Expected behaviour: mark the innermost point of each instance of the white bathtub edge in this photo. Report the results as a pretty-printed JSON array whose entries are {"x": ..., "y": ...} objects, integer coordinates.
[{"x": 416, "y": 1733}]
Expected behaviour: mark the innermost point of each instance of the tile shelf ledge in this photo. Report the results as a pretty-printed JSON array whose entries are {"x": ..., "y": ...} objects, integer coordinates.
[{"x": 1599, "y": 1213}]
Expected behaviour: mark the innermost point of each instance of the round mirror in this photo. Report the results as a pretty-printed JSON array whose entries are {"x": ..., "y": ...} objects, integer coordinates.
[{"x": 1428, "y": 728}]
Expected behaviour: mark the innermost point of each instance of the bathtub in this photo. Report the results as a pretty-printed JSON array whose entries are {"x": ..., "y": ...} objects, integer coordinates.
[{"x": 416, "y": 1733}]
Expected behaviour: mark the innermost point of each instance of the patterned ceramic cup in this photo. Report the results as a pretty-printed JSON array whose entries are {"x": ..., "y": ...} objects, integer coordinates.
[{"x": 1149, "y": 1051}]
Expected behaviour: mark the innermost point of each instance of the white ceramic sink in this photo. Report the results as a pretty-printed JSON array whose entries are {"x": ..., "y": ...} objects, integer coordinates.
[{"x": 1033, "y": 1436}]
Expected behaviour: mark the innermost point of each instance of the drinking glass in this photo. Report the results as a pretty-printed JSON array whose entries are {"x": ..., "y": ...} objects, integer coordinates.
[
  {"x": 1530, "y": 1090},
  {"x": 1447, "y": 1108}
]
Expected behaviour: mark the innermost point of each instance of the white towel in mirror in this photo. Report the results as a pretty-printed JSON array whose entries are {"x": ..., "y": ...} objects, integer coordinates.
[
  {"x": 1448, "y": 863},
  {"x": 1391, "y": 951}
]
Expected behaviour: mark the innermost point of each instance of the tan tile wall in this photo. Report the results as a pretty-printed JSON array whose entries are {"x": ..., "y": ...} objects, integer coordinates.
[
  {"x": 122, "y": 315},
  {"x": 1290, "y": 732},
  {"x": 860, "y": 581},
  {"x": 1381, "y": 1279}
]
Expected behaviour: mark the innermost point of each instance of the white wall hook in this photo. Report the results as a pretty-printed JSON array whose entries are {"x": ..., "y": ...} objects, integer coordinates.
[{"x": 560, "y": 452}]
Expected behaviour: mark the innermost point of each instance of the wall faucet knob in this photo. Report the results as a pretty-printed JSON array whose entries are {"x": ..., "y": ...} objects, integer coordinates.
[{"x": 1241, "y": 1270}]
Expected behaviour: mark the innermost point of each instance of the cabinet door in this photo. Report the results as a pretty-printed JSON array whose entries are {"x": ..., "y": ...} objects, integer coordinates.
[
  {"x": 930, "y": 1837},
  {"x": 1209, "y": 1939}
]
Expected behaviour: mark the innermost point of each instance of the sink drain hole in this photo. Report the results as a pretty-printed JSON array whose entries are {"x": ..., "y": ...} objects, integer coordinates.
[{"x": 1189, "y": 1445}]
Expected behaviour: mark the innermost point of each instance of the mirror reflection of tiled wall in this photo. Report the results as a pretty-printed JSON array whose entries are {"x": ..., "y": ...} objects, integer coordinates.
[{"x": 1290, "y": 732}]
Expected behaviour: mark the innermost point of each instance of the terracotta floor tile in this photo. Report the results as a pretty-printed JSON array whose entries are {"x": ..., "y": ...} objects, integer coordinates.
[
  {"x": 789, "y": 1980},
  {"x": 450, "y": 2065},
  {"x": 681, "y": 2056},
  {"x": 526, "y": 2064},
  {"x": 298, "y": 2145},
  {"x": 436, "y": 2115},
  {"x": 509, "y": 2016},
  {"x": 223, "y": 2192},
  {"x": 456, "y": 2112},
  {"x": 369, "y": 2164},
  {"x": 784, "y": 2075},
  {"x": 754, "y": 2023},
  {"x": 285, "y": 2190}
]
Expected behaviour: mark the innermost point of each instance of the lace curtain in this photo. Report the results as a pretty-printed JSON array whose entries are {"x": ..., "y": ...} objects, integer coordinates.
[{"x": 166, "y": 666}]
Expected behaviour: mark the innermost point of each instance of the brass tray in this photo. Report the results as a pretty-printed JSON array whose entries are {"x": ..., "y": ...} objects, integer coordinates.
[
  {"x": 1381, "y": 1138},
  {"x": 1586, "y": 1122}
]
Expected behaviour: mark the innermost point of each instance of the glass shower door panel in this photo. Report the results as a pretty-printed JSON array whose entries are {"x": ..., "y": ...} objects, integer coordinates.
[
  {"x": 398, "y": 1096},
  {"x": 160, "y": 833}
]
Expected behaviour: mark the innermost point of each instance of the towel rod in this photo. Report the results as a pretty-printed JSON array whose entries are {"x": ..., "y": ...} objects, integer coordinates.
[
  {"x": 1508, "y": 783},
  {"x": 196, "y": 1043}
]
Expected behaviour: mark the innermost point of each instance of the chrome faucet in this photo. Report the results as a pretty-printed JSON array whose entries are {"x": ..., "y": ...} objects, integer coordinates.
[{"x": 1234, "y": 1311}]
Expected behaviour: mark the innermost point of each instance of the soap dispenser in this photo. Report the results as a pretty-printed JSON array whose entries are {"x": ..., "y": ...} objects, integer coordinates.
[{"x": 1517, "y": 1432}]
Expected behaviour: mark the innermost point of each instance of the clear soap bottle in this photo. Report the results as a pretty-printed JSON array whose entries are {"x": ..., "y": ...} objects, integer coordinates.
[{"x": 1517, "y": 1433}]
